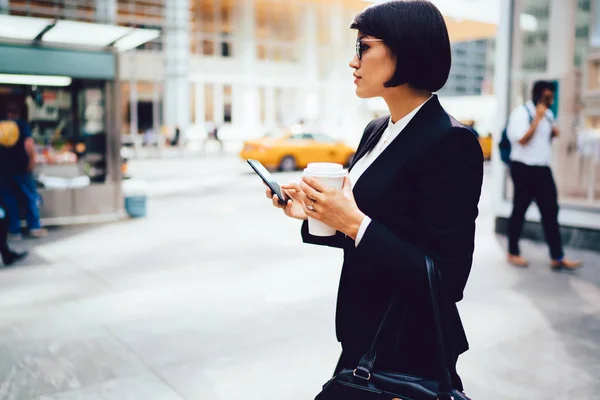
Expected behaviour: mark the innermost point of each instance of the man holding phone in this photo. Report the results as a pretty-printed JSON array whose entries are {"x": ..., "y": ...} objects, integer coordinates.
[{"x": 531, "y": 128}]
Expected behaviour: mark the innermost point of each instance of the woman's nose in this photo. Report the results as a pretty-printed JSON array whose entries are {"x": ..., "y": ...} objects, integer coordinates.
[{"x": 355, "y": 62}]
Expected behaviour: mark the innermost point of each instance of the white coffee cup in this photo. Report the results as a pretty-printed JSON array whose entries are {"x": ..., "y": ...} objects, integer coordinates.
[{"x": 331, "y": 175}]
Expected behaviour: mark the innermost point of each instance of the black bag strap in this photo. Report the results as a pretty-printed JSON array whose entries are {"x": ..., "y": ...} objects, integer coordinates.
[{"x": 367, "y": 362}]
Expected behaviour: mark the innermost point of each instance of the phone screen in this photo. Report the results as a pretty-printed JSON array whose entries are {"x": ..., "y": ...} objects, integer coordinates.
[{"x": 267, "y": 179}]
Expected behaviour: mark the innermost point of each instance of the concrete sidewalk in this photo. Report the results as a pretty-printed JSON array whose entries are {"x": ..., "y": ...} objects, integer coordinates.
[{"x": 213, "y": 297}]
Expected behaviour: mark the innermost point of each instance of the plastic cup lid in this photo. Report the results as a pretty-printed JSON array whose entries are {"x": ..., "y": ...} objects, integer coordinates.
[{"x": 325, "y": 169}]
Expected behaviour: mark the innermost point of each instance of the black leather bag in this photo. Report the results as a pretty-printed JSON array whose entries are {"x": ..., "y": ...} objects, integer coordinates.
[{"x": 366, "y": 383}]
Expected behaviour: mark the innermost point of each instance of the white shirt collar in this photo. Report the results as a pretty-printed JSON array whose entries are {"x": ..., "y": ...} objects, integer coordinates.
[{"x": 393, "y": 130}]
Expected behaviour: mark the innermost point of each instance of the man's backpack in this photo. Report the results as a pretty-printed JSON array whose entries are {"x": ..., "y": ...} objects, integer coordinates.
[
  {"x": 505, "y": 146},
  {"x": 9, "y": 133}
]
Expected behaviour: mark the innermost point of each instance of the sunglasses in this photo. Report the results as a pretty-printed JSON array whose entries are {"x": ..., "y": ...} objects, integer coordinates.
[{"x": 360, "y": 48}]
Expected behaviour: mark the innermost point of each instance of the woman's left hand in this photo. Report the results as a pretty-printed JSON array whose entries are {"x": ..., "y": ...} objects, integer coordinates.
[{"x": 335, "y": 208}]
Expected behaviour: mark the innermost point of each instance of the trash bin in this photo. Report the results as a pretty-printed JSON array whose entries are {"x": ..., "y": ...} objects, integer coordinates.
[{"x": 135, "y": 193}]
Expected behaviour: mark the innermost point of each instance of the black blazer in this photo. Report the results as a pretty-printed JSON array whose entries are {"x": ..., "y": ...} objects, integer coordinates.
[{"x": 422, "y": 194}]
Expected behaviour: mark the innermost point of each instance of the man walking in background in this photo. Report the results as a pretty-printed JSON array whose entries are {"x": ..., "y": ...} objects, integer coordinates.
[
  {"x": 531, "y": 128},
  {"x": 16, "y": 178}
]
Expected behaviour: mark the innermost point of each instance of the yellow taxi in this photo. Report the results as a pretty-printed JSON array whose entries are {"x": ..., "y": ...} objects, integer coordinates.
[
  {"x": 486, "y": 143},
  {"x": 294, "y": 151}
]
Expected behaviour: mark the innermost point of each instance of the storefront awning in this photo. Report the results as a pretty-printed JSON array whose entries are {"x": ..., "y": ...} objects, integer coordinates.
[
  {"x": 21, "y": 60},
  {"x": 74, "y": 33}
]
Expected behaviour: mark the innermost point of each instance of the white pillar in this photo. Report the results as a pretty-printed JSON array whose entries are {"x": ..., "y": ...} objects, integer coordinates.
[
  {"x": 502, "y": 87},
  {"x": 250, "y": 97},
  {"x": 561, "y": 58},
  {"x": 106, "y": 11},
  {"x": 177, "y": 54},
  {"x": 311, "y": 63},
  {"x": 291, "y": 104},
  {"x": 561, "y": 37},
  {"x": 237, "y": 91},
  {"x": 270, "y": 108},
  {"x": 218, "y": 104},
  {"x": 337, "y": 73},
  {"x": 200, "y": 105},
  {"x": 133, "y": 113},
  {"x": 156, "y": 108},
  {"x": 133, "y": 107}
]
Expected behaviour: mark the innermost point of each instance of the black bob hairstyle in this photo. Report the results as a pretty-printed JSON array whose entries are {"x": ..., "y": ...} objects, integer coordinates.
[{"x": 416, "y": 33}]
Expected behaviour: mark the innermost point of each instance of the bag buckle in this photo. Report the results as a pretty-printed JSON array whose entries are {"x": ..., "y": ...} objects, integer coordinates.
[{"x": 367, "y": 377}]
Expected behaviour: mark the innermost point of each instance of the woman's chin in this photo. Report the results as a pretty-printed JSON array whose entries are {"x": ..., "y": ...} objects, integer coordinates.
[{"x": 362, "y": 94}]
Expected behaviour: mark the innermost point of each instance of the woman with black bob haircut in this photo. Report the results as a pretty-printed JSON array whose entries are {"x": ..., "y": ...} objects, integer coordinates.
[{"x": 411, "y": 193}]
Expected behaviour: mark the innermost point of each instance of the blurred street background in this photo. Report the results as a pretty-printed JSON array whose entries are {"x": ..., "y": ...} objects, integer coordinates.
[{"x": 143, "y": 113}]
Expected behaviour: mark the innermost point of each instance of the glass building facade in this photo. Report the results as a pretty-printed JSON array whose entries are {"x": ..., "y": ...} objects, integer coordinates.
[{"x": 555, "y": 40}]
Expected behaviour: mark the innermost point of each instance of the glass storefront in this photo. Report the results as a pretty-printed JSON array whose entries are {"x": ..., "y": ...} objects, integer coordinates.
[
  {"x": 540, "y": 52},
  {"x": 68, "y": 125}
]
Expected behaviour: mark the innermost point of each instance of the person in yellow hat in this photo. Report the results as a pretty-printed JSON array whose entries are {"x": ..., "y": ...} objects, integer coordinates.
[{"x": 17, "y": 161}]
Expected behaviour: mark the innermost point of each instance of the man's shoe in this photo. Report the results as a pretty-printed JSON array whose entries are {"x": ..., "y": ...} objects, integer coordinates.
[
  {"x": 517, "y": 261},
  {"x": 15, "y": 237},
  {"x": 38, "y": 233},
  {"x": 569, "y": 265},
  {"x": 12, "y": 257}
]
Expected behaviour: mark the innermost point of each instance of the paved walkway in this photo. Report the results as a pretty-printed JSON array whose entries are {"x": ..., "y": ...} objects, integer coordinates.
[{"x": 201, "y": 301}]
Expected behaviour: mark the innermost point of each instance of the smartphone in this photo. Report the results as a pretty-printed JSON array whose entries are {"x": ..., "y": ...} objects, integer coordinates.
[{"x": 268, "y": 180}]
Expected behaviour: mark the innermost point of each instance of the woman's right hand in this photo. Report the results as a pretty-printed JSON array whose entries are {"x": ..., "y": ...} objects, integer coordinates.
[{"x": 295, "y": 200}]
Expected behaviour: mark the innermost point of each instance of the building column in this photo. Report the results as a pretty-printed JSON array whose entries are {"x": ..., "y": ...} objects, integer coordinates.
[
  {"x": 106, "y": 11},
  {"x": 218, "y": 104},
  {"x": 3, "y": 7},
  {"x": 560, "y": 66},
  {"x": 133, "y": 115},
  {"x": 237, "y": 90},
  {"x": 333, "y": 91},
  {"x": 248, "y": 54},
  {"x": 502, "y": 87},
  {"x": 200, "y": 105},
  {"x": 156, "y": 108},
  {"x": 270, "y": 109},
  {"x": 311, "y": 63},
  {"x": 176, "y": 107},
  {"x": 561, "y": 37}
]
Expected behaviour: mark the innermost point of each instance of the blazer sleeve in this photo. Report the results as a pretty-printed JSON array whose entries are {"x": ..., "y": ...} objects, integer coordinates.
[
  {"x": 448, "y": 196},
  {"x": 339, "y": 238}
]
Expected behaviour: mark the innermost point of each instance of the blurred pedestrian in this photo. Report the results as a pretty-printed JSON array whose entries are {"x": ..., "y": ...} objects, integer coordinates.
[
  {"x": 531, "y": 128},
  {"x": 412, "y": 193},
  {"x": 9, "y": 257},
  {"x": 17, "y": 163},
  {"x": 175, "y": 140},
  {"x": 212, "y": 134}
]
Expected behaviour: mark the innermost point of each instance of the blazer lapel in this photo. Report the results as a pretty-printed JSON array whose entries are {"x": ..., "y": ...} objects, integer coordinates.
[
  {"x": 370, "y": 143},
  {"x": 422, "y": 131}
]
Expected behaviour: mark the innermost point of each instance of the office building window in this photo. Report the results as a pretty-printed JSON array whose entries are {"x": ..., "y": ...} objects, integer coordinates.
[{"x": 212, "y": 28}]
